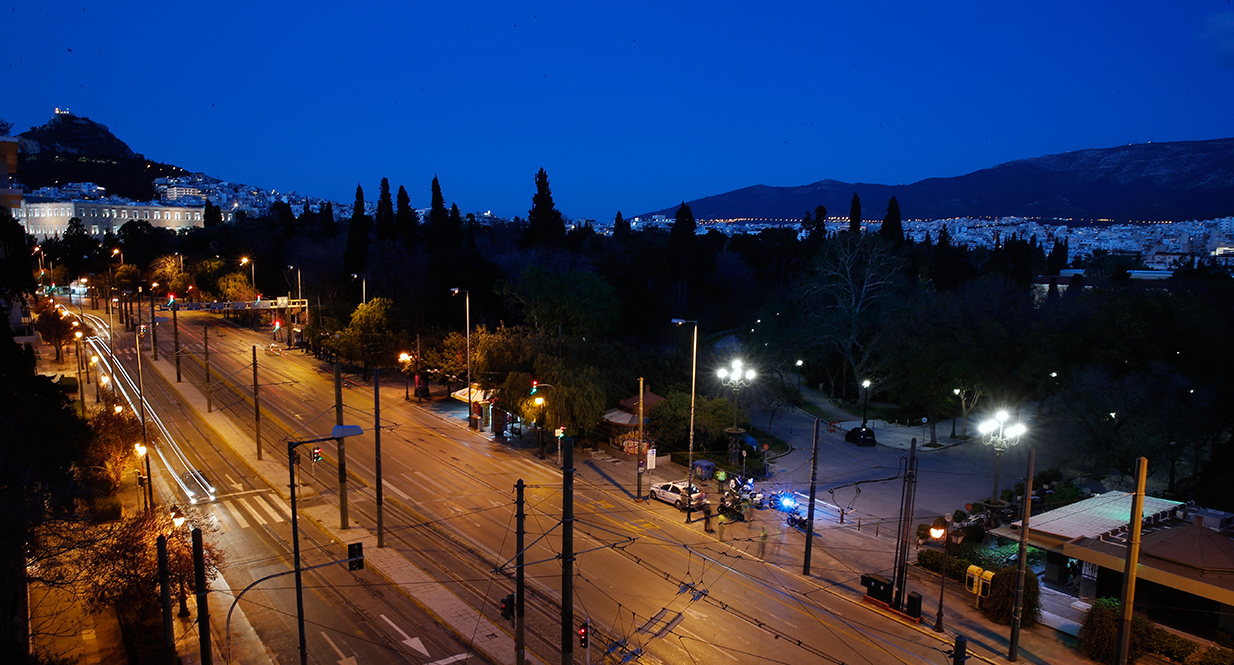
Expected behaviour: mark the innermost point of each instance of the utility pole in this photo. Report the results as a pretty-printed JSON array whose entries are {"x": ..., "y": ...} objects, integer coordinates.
[
  {"x": 203, "y": 605},
  {"x": 256, "y": 407},
  {"x": 520, "y": 626},
  {"x": 907, "y": 498},
  {"x": 1013, "y": 652},
  {"x": 641, "y": 457},
  {"x": 805, "y": 569},
  {"x": 342, "y": 450},
  {"x": 169, "y": 629},
  {"x": 205, "y": 342},
  {"x": 381, "y": 533},
  {"x": 1132, "y": 563},
  {"x": 175, "y": 335},
  {"x": 567, "y": 551},
  {"x": 154, "y": 334}
]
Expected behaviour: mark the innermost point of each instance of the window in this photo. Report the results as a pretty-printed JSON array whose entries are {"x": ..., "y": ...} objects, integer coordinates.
[
  {"x": 94, "y": 230},
  {"x": 94, "y": 212},
  {"x": 81, "y": 212},
  {"x": 145, "y": 214},
  {"x": 156, "y": 214},
  {"x": 177, "y": 217},
  {"x": 197, "y": 216}
]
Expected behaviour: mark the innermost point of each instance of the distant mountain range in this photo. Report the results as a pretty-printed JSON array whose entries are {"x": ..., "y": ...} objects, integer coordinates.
[{"x": 1143, "y": 182}]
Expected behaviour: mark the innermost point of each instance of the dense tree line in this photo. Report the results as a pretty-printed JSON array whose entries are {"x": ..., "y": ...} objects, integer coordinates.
[{"x": 918, "y": 319}]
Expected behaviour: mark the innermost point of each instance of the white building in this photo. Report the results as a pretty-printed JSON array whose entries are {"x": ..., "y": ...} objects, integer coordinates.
[{"x": 45, "y": 219}]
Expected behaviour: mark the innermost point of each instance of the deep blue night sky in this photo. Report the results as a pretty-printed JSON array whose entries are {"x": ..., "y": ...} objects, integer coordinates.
[{"x": 628, "y": 106}]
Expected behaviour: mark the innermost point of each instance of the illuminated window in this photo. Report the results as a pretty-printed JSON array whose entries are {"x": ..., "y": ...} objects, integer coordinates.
[
  {"x": 94, "y": 230},
  {"x": 145, "y": 214}
]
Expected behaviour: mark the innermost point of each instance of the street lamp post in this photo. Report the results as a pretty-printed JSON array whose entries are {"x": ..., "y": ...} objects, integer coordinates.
[
  {"x": 363, "y": 287},
  {"x": 244, "y": 260},
  {"x": 693, "y": 380},
  {"x": 865, "y": 402},
  {"x": 944, "y": 534},
  {"x": 339, "y": 432},
  {"x": 405, "y": 358},
  {"x": 1000, "y": 436},
  {"x": 735, "y": 378},
  {"x": 467, "y": 307}
]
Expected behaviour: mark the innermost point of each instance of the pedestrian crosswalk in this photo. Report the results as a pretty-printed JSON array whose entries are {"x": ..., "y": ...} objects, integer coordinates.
[{"x": 249, "y": 509}]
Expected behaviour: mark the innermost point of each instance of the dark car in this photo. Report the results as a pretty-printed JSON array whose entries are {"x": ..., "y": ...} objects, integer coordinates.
[{"x": 862, "y": 436}]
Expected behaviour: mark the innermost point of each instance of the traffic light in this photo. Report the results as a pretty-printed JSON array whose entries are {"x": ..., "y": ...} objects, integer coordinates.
[
  {"x": 277, "y": 324},
  {"x": 507, "y": 607},
  {"x": 316, "y": 454},
  {"x": 355, "y": 552},
  {"x": 582, "y": 636},
  {"x": 535, "y": 385},
  {"x": 295, "y": 457},
  {"x": 171, "y": 299}
]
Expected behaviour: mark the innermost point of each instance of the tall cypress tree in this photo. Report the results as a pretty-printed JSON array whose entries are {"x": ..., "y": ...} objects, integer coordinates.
[
  {"x": 893, "y": 227},
  {"x": 545, "y": 225},
  {"x": 621, "y": 228},
  {"x": 681, "y": 242},
  {"x": 438, "y": 217},
  {"x": 454, "y": 229},
  {"x": 213, "y": 216},
  {"x": 384, "y": 217},
  {"x": 307, "y": 221},
  {"x": 854, "y": 215},
  {"x": 325, "y": 219},
  {"x": 356, "y": 254},
  {"x": 406, "y": 220}
]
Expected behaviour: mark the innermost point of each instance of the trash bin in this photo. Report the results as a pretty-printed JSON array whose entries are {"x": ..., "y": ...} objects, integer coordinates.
[
  {"x": 913, "y": 606},
  {"x": 877, "y": 587},
  {"x": 703, "y": 469}
]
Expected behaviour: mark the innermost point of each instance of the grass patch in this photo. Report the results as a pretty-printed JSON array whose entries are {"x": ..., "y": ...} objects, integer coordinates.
[
  {"x": 777, "y": 445},
  {"x": 815, "y": 410}
]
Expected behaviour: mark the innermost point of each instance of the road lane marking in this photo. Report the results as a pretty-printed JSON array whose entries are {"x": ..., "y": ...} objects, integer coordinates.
[
  {"x": 440, "y": 488},
  {"x": 279, "y": 503},
  {"x": 256, "y": 515},
  {"x": 276, "y": 515},
  {"x": 236, "y": 515},
  {"x": 387, "y": 485}
]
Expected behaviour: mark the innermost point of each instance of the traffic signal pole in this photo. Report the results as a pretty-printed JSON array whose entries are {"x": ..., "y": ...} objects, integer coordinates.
[{"x": 520, "y": 627}]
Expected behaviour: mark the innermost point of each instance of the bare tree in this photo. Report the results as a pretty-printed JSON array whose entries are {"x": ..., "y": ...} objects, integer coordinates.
[{"x": 845, "y": 293}]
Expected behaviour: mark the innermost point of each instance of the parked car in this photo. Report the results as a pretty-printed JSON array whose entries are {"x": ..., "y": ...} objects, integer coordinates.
[
  {"x": 676, "y": 494},
  {"x": 862, "y": 436},
  {"x": 274, "y": 349}
]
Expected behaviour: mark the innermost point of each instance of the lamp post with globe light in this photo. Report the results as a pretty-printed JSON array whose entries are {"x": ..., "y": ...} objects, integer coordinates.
[
  {"x": 1000, "y": 436},
  {"x": 944, "y": 534},
  {"x": 735, "y": 377},
  {"x": 865, "y": 402}
]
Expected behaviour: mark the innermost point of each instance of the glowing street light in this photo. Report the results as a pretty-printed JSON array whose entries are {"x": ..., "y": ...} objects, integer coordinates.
[
  {"x": 1000, "y": 436},
  {"x": 693, "y": 379}
]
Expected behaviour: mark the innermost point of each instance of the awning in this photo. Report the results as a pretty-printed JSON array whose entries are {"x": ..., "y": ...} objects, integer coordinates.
[
  {"x": 620, "y": 417},
  {"x": 477, "y": 395}
]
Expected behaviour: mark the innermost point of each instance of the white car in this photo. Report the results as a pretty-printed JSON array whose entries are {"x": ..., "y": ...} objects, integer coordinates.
[
  {"x": 274, "y": 350},
  {"x": 675, "y": 493}
]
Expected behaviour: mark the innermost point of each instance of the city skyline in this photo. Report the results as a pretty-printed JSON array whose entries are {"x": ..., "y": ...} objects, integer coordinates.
[{"x": 626, "y": 109}]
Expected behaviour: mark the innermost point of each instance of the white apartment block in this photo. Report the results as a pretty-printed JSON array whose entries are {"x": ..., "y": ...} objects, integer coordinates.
[{"x": 45, "y": 219}]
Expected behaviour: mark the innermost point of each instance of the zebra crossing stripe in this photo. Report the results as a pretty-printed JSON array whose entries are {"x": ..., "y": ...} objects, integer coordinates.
[{"x": 236, "y": 515}]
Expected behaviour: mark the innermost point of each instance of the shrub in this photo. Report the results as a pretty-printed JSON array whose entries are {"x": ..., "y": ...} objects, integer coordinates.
[
  {"x": 107, "y": 509},
  {"x": 1173, "y": 646},
  {"x": 1211, "y": 656},
  {"x": 1099, "y": 632},
  {"x": 1000, "y": 604}
]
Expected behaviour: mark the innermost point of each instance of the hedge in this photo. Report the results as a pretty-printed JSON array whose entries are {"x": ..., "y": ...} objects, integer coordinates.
[{"x": 1099, "y": 635}]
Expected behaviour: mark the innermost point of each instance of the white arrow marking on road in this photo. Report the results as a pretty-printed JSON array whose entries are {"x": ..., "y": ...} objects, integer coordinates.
[
  {"x": 232, "y": 481},
  {"x": 413, "y": 642},
  {"x": 343, "y": 660}
]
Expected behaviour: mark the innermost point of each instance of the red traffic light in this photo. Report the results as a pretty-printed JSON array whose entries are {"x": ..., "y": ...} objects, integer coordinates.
[{"x": 582, "y": 636}]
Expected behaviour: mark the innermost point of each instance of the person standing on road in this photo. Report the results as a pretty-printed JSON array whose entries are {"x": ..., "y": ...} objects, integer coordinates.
[
  {"x": 762, "y": 543},
  {"x": 707, "y": 518}
]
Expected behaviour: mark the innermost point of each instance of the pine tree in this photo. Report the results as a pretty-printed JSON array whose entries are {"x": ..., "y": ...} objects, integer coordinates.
[
  {"x": 815, "y": 226},
  {"x": 384, "y": 218},
  {"x": 545, "y": 225},
  {"x": 893, "y": 227},
  {"x": 307, "y": 221},
  {"x": 406, "y": 220},
  {"x": 854, "y": 215},
  {"x": 284, "y": 217}
]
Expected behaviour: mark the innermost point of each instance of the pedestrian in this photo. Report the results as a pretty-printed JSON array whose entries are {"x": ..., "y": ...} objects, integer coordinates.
[
  {"x": 762, "y": 543},
  {"x": 707, "y": 518}
]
